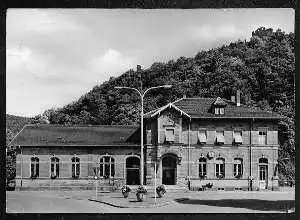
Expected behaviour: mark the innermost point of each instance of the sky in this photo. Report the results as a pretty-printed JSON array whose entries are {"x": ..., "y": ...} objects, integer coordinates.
[{"x": 54, "y": 56}]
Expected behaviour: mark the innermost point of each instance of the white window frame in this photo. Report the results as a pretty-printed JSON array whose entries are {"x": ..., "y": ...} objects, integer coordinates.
[
  {"x": 76, "y": 165},
  {"x": 218, "y": 164},
  {"x": 35, "y": 162},
  {"x": 111, "y": 164},
  {"x": 56, "y": 166},
  {"x": 202, "y": 162},
  {"x": 238, "y": 166}
]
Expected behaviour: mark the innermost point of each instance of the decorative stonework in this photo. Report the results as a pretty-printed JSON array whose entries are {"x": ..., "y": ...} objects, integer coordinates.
[{"x": 175, "y": 150}]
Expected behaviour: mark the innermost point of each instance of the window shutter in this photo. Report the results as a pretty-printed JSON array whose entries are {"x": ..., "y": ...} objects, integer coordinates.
[
  {"x": 202, "y": 136},
  {"x": 220, "y": 137},
  {"x": 254, "y": 137},
  {"x": 270, "y": 137},
  {"x": 169, "y": 135}
]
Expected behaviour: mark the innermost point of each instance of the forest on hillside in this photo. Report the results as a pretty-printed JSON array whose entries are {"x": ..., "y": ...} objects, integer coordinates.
[{"x": 263, "y": 68}]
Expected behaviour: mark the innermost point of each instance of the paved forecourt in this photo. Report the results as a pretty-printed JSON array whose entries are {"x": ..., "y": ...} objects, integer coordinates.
[{"x": 173, "y": 202}]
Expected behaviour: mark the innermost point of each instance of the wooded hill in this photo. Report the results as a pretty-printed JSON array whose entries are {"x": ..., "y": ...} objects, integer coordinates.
[{"x": 263, "y": 68}]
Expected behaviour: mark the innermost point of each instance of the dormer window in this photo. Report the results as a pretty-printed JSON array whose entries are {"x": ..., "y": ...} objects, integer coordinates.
[
  {"x": 219, "y": 106},
  {"x": 219, "y": 110}
]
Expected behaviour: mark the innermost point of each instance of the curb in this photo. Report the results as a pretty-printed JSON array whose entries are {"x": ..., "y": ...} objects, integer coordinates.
[{"x": 141, "y": 206}]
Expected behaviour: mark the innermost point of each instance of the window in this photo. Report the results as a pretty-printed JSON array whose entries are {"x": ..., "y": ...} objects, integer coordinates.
[
  {"x": 263, "y": 168},
  {"x": 237, "y": 137},
  {"x": 219, "y": 110},
  {"x": 107, "y": 167},
  {"x": 238, "y": 167},
  {"x": 54, "y": 167},
  {"x": 202, "y": 167},
  {"x": 75, "y": 167},
  {"x": 220, "y": 137},
  {"x": 202, "y": 136},
  {"x": 262, "y": 137},
  {"x": 34, "y": 167},
  {"x": 169, "y": 135},
  {"x": 220, "y": 167}
]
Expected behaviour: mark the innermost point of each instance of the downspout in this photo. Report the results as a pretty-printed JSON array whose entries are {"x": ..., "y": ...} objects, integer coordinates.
[
  {"x": 250, "y": 153},
  {"x": 189, "y": 145},
  {"x": 21, "y": 165}
]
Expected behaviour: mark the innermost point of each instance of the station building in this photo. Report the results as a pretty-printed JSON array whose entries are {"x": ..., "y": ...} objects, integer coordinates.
[{"x": 194, "y": 143}]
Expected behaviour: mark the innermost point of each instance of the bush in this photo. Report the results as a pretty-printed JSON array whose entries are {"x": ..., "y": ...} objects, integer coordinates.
[
  {"x": 161, "y": 188},
  {"x": 125, "y": 189},
  {"x": 141, "y": 189}
]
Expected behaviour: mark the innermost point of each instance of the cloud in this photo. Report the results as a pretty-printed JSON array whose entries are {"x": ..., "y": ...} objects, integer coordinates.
[
  {"x": 111, "y": 63},
  {"x": 210, "y": 33}
]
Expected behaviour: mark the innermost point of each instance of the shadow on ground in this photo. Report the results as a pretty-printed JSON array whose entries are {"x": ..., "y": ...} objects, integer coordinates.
[{"x": 254, "y": 204}]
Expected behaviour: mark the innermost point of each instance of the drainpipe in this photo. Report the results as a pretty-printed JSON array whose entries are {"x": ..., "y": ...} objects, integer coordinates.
[
  {"x": 21, "y": 165},
  {"x": 189, "y": 145},
  {"x": 250, "y": 153}
]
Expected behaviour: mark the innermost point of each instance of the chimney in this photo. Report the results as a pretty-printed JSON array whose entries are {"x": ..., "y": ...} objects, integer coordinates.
[
  {"x": 233, "y": 98},
  {"x": 238, "y": 98},
  {"x": 138, "y": 68},
  {"x": 184, "y": 96}
]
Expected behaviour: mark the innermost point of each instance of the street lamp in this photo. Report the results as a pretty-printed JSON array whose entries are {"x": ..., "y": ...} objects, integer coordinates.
[{"x": 142, "y": 95}]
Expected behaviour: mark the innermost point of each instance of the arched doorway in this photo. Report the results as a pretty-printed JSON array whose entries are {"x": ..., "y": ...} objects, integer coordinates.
[
  {"x": 132, "y": 171},
  {"x": 169, "y": 168},
  {"x": 263, "y": 173}
]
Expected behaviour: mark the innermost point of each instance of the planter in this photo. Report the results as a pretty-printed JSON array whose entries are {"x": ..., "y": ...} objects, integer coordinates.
[
  {"x": 160, "y": 194},
  {"x": 140, "y": 196},
  {"x": 125, "y": 194}
]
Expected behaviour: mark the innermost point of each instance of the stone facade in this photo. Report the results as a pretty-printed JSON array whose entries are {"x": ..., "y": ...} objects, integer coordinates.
[
  {"x": 173, "y": 153},
  {"x": 188, "y": 150}
]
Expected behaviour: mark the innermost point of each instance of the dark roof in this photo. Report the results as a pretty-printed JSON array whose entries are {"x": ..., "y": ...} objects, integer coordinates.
[
  {"x": 85, "y": 135},
  {"x": 202, "y": 108}
]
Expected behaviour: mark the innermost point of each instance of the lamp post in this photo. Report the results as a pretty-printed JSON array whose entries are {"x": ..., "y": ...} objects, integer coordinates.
[{"x": 142, "y": 95}]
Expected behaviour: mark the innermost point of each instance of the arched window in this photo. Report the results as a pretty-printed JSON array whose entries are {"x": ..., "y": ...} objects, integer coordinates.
[
  {"x": 107, "y": 167},
  {"x": 202, "y": 167},
  {"x": 263, "y": 160},
  {"x": 35, "y": 167},
  {"x": 263, "y": 168},
  {"x": 220, "y": 167},
  {"x": 238, "y": 167},
  {"x": 54, "y": 167},
  {"x": 75, "y": 167}
]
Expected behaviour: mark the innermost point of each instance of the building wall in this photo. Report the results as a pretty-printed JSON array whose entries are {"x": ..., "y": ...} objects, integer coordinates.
[
  {"x": 191, "y": 150},
  {"x": 89, "y": 158}
]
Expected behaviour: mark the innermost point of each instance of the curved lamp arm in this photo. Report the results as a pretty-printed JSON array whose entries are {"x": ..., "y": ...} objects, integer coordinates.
[{"x": 125, "y": 87}]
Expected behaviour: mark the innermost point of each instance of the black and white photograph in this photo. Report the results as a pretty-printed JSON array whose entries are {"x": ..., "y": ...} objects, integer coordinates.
[{"x": 150, "y": 110}]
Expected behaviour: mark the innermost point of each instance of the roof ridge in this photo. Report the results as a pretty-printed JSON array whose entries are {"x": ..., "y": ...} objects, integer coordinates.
[
  {"x": 17, "y": 134},
  {"x": 77, "y": 125}
]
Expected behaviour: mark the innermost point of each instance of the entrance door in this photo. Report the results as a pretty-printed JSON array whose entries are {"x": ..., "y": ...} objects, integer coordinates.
[
  {"x": 169, "y": 170},
  {"x": 133, "y": 171},
  {"x": 263, "y": 173}
]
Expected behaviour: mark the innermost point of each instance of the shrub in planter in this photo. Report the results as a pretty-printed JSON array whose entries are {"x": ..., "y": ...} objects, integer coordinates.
[
  {"x": 209, "y": 185},
  {"x": 161, "y": 190},
  {"x": 125, "y": 191},
  {"x": 141, "y": 193}
]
